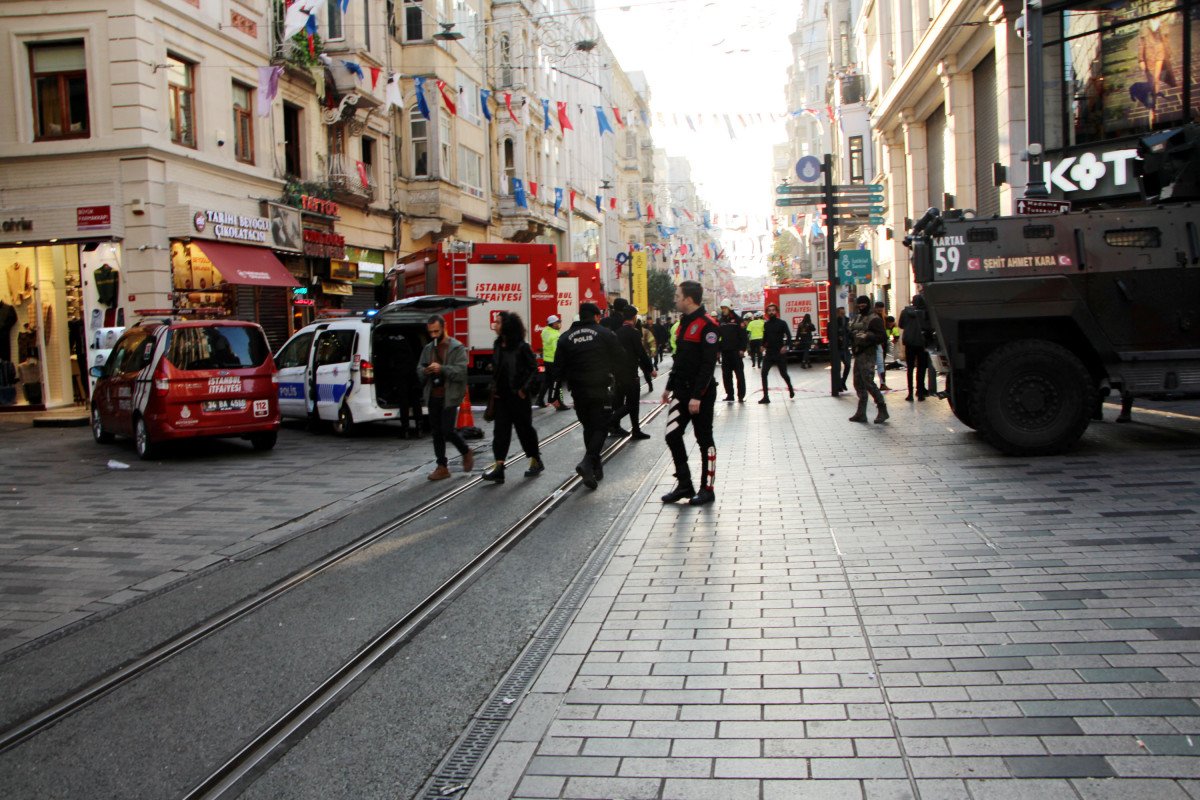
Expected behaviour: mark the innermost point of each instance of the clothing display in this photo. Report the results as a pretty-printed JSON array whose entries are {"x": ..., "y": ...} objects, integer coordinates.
[
  {"x": 20, "y": 285},
  {"x": 108, "y": 282}
]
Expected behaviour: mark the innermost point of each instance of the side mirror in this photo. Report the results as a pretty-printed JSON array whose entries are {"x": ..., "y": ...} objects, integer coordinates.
[{"x": 96, "y": 372}]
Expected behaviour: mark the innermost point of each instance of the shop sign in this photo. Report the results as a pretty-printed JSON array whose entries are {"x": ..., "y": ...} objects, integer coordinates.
[
  {"x": 238, "y": 227},
  {"x": 343, "y": 270},
  {"x": 16, "y": 225},
  {"x": 316, "y": 205},
  {"x": 93, "y": 218},
  {"x": 322, "y": 244},
  {"x": 1091, "y": 173},
  {"x": 286, "y": 231}
]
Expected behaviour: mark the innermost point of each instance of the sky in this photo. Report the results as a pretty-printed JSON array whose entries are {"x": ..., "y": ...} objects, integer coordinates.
[{"x": 712, "y": 56}]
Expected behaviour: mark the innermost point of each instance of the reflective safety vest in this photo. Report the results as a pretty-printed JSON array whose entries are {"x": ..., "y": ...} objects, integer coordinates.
[
  {"x": 755, "y": 328},
  {"x": 549, "y": 343},
  {"x": 674, "y": 330}
]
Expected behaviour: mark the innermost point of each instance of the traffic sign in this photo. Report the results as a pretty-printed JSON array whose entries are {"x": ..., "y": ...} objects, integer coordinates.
[
  {"x": 858, "y": 208},
  {"x": 808, "y": 169},
  {"x": 854, "y": 266},
  {"x": 797, "y": 201},
  {"x": 789, "y": 189},
  {"x": 1028, "y": 205}
]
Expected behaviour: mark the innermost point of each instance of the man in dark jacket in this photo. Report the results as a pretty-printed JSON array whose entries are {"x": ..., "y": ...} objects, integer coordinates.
[
  {"x": 843, "y": 343},
  {"x": 777, "y": 339},
  {"x": 734, "y": 343},
  {"x": 913, "y": 322},
  {"x": 586, "y": 360},
  {"x": 867, "y": 333},
  {"x": 633, "y": 357},
  {"x": 661, "y": 334},
  {"x": 692, "y": 394},
  {"x": 616, "y": 314}
]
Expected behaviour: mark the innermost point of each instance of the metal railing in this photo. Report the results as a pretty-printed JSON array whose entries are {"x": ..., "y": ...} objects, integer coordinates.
[{"x": 345, "y": 180}]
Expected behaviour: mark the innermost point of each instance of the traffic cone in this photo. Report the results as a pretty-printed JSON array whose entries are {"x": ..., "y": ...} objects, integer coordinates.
[{"x": 466, "y": 419}]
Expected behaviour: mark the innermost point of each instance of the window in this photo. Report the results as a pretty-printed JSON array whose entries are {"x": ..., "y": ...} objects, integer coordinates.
[
  {"x": 391, "y": 18},
  {"x": 506, "y": 64},
  {"x": 217, "y": 347},
  {"x": 295, "y": 352},
  {"x": 335, "y": 347},
  {"x": 334, "y": 24},
  {"x": 468, "y": 98},
  {"x": 368, "y": 158},
  {"x": 414, "y": 22},
  {"x": 419, "y": 137},
  {"x": 445, "y": 146},
  {"x": 60, "y": 104},
  {"x": 510, "y": 163},
  {"x": 856, "y": 159},
  {"x": 470, "y": 170},
  {"x": 181, "y": 100},
  {"x": 293, "y": 164},
  {"x": 127, "y": 355},
  {"x": 243, "y": 124},
  {"x": 366, "y": 23}
]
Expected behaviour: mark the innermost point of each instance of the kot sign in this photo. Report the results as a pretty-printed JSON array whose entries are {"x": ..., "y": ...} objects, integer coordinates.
[{"x": 1091, "y": 173}]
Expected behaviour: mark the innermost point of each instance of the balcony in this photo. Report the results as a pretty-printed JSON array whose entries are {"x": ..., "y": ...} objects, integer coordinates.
[
  {"x": 432, "y": 206},
  {"x": 519, "y": 224},
  {"x": 345, "y": 182}
]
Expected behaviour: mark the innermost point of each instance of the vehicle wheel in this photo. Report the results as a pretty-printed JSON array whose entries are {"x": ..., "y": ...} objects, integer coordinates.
[
  {"x": 146, "y": 449},
  {"x": 264, "y": 441},
  {"x": 344, "y": 425},
  {"x": 98, "y": 433},
  {"x": 960, "y": 403},
  {"x": 1032, "y": 398}
]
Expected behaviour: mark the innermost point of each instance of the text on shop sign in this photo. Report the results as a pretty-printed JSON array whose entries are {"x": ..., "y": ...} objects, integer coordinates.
[
  {"x": 320, "y": 244},
  {"x": 226, "y": 225}
]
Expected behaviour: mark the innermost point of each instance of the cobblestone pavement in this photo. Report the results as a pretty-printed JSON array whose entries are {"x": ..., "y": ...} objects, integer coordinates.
[
  {"x": 80, "y": 537},
  {"x": 885, "y": 612}
]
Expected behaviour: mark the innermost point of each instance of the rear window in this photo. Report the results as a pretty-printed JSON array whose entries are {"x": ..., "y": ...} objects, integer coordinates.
[{"x": 217, "y": 347}]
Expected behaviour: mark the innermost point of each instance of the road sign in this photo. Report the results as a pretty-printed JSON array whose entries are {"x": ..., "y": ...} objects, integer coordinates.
[
  {"x": 1027, "y": 205},
  {"x": 876, "y": 188},
  {"x": 797, "y": 201},
  {"x": 854, "y": 266},
  {"x": 806, "y": 190},
  {"x": 857, "y": 208},
  {"x": 808, "y": 169}
]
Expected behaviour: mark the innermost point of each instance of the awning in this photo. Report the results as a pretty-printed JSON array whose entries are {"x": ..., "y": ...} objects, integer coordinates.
[{"x": 247, "y": 266}]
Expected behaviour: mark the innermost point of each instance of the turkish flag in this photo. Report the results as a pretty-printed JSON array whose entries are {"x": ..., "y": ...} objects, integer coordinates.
[
  {"x": 563, "y": 119},
  {"x": 612, "y": 203},
  {"x": 441, "y": 84},
  {"x": 508, "y": 105},
  {"x": 572, "y": 199},
  {"x": 532, "y": 189},
  {"x": 617, "y": 114}
]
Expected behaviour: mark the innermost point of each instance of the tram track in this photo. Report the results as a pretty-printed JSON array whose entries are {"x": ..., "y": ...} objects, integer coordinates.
[
  {"x": 93, "y": 690},
  {"x": 276, "y": 738}
]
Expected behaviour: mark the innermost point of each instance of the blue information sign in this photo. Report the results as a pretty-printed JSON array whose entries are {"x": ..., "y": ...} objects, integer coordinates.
[{"x": 854, "y": 266}]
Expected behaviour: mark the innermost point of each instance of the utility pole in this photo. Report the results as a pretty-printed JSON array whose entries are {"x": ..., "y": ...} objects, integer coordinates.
[
  {"x": 1035, "y": 118},
  {"x": 835, "y": 333}
]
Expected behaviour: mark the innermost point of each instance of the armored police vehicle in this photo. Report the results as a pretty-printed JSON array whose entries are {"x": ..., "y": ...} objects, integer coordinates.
[{"x": 1037, "y": 318}]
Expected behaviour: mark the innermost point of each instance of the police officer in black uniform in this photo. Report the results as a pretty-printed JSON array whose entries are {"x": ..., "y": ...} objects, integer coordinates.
[
  {"x": 587, "y": 357},
  {"x": 691, "y": 391},
  {"x": 734, "y": 344},
  {"x": 633, "y": 356}
]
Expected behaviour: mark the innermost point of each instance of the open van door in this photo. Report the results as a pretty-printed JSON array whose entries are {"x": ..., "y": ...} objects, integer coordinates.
[{"x": 416, "y": 310}]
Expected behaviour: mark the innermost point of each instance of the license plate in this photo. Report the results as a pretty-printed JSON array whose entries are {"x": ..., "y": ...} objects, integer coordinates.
[{"x": 225, "y": 405}]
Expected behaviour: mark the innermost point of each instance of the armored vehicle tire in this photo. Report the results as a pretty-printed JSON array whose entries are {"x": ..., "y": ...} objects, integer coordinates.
[
  {"x": 960, "y": 402},
  {"x": 1032, "y": 398}
]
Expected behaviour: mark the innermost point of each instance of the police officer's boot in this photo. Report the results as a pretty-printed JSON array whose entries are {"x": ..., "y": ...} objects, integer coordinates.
[
  {"x": 495, "y": 473},
  {"x": 881, "y": 414},
  {"x": 861, "y": 414},
  {"x": 682, "y": 491}
]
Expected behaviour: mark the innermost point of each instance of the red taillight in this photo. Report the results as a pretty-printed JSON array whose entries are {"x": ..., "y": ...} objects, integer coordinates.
[
  {"x": 162, "y": 384},
  {"x": 366, "y": 372}
]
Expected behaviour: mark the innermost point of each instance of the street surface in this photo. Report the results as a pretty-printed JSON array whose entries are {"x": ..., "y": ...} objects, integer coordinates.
[{"x": 867, "y": 612}]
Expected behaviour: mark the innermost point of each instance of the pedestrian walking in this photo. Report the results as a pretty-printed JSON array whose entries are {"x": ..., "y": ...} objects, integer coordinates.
[
  {"x": 587, "y": 358},
  {"x": 661, "y": 334},
  {"x": 842, "y": 326},
  {"x": 916, "y": 357},
  {"x": 442, "y": 371},
  {"x": 754, "y": 329},
  {"x": 692, "y": 396},
  {"x": 734, "y": 343},
  {"x": 777, "y": 339},
  {"x": 514, "y": 370},
  {"x": 625, "y": 378},
  {"x": 550, "y": 387},
  {"x": 804, "y": 334},
  {"x": 651, "y": 347},
  {"x": 867, "y": 334}
]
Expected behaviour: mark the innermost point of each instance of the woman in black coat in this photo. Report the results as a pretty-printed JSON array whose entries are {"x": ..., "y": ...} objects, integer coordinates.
[
  {"x": 804, "y": 332},
  {"x": 514, "y": 373}
]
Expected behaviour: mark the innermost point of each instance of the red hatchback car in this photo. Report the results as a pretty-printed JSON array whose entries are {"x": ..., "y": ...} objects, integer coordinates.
[{"x": 174, "y": 380}]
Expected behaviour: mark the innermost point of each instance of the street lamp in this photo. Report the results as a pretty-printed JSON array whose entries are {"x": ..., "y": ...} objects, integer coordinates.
[{"x": 447, "y": 33}]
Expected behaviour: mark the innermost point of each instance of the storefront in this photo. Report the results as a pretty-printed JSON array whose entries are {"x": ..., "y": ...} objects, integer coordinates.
[
  {"x": 363, "y": 268},
  {"x": 60, "y": 305}
]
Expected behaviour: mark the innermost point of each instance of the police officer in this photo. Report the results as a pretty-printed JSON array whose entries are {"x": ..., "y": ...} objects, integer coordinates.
[
  {"x": 633, "y": 357},
  {"x": 754, "y": 328},
  {"x": 550, "y": 335},
  {"x": 692, "y": 395},
  {"x": 866, "y": 335},
  {"x": 734, "y": 343},
  {"x": 777, "y": 339},
  {"x": 587, "y": 357}
]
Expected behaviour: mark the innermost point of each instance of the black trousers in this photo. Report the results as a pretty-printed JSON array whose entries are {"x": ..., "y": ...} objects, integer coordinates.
[
  {"x": 550, "y": 391},
  {"x": 441, "y": 422},
  {"x": 775, "y": 360},
  {"x": 733, "y": 365},
  {"x": 916, "y": 359},
  {"x": 594, "y": 416},
  {"x": 513, "y": 412},
  {"x": 756, "y": 352},
  {"x": 678, "y": 419},
  {"x": 627, "y": 400},
  {"x": 847, "y": 360}
]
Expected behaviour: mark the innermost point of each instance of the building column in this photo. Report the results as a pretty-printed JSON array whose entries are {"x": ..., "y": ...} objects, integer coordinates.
[
  {"x": 916, "y": 168},
  {"x": 960, "y": 127},
  {"x": 896, "y": 165},
  {"x": 1010, "y": 101},
  {"x": 147, "y": 256}
]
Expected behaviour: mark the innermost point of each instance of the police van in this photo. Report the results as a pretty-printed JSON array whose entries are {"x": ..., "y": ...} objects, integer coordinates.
[{"x": 361, "y": 368}]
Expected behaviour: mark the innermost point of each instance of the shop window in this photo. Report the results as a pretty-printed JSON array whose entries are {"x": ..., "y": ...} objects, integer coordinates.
[
  {"x": 419, "y": 143},
  {"x": 334, "y": 24},
  {"x": 293, "y": 164},
  {"x": 856, "y": 159},
  {"x": 414, "y": 22},
  {"x": 60, "y": 102},
  {"x": 295, "y": 352},
  {"x": 243, "y": 124},
  {"x": 181, "y": 100}
]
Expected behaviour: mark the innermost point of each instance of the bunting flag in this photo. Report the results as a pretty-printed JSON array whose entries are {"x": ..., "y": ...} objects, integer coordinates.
[
  {"x": 485, "y": 97},
  {"x": 602, "y": 121},
  {"x": 298, "y": 15},
  {"x": 645, "y": 119},
  {"x": 599, "y": 204},
  {"x": 375, "y": 77},
  {"x": 558, "y": 198},
  {"x": 617, "y": 116},
  {"x": 545, "y": 114},
  {"x": 563, "y": 119},
  {"x": 572, "y": 199},
  {"x": 729, "y": 127},
  {"x": 310, "y": 27},
  {"x": 362, "y": 173},
  {"x": 449, "y": 101},
  {"x": 707, "y": 252},
  {"x": 533, "y": 189},
  {"x": 422, "y": 103},
  {"x": 518, "y": 190},
  {"x": 612, "y": 203},
  {"x": 355, "y": 69},
  {"x": 508, "y": 105},
  {"x": 345, "y": 6},
  {"x": 392, "y": 93},
  {"x": 649, "y": 210},
  {"x": 638, "y": 208},
  {"x": 690, "y": 123},
  {"x": 268, "y": 88}
]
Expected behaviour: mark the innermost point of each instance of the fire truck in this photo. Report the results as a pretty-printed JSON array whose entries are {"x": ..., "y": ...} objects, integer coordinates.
[
  {"x": 521, "y": 278},
  {"x": 578, "y": 282},
  {"x": 797, "y": 298}
]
